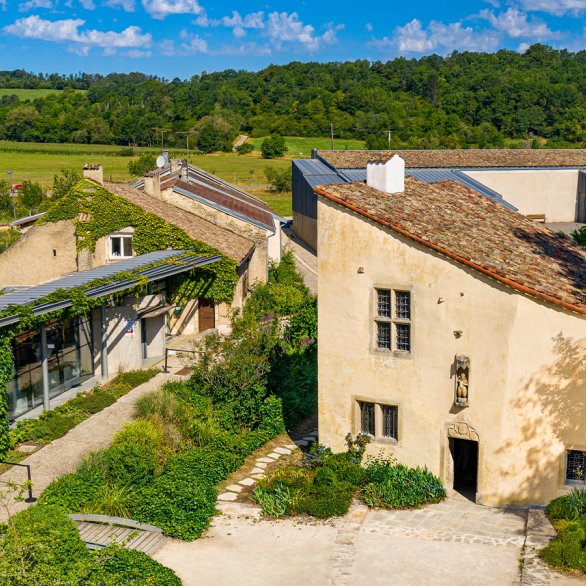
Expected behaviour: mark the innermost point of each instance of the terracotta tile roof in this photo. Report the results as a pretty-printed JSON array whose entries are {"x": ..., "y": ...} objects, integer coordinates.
[
  {"x": 461, "y": 158},
  {"x": 477, "y": 231},
  {"x": 238, "y": 206},
  {"x": 232, "y": 245}
]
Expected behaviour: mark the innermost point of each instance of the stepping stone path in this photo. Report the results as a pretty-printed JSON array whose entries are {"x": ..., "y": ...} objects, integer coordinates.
[{"x": 258, "y": 471}]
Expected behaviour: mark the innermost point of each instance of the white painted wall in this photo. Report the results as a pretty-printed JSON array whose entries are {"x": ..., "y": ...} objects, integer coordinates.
[{"x": 553, "y": 192}]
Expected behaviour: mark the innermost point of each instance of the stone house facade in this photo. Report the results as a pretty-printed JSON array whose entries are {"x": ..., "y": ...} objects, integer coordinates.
[{"x": 453, "y": 331}]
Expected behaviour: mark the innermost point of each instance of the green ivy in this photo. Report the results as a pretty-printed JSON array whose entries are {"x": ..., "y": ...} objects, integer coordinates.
[{"x": 96, "y": 212}]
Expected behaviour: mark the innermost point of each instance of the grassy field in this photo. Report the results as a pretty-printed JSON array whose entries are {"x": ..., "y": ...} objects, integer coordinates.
[
  {"x": 300, "y": 146},
  {"x": 29, "y": 94},
  {"x": 40, "y": 162}
]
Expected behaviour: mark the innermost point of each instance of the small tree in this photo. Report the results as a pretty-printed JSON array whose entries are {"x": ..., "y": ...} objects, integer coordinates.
[
  {"x": 145, "y": 163},
  {"x": 63, "y": 183},
  {"x": 32, "y": 195},
  {"x": 279, "y": 179},
  {"x": 273, "y": 147}
]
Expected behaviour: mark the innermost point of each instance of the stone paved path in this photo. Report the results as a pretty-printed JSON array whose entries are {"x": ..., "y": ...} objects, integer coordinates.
[
  {"x": 64, "y": 454},
  {"x": 256, "y": 467}
]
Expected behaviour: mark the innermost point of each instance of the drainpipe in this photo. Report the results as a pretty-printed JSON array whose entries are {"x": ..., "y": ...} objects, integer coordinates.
[
  {"x": 104, "y": 341},
  {"x": 45, "y": 369}
]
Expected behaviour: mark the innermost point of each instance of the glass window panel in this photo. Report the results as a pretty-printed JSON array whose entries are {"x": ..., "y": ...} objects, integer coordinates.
[
  {"x": 576, "y": 467},
  {"x": 390, "y": 413},
  {"x": 127, "y": 246},
  {"x": 367, "y": 418},
  {"x": 383, "y": 302},
  {"x": 403, "y": 305},
  {"x": 116, "y": 243},
  {"x": 383, "y": 335},
  {"x": 403, "y": 333}
]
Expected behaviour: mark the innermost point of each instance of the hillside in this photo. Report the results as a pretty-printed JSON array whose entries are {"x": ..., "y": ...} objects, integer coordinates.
[{"x": 460, "y": 101}]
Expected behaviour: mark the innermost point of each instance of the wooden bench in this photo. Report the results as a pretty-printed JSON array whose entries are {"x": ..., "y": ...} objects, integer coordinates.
[
  {"x": 99, "y": 531},
  {"x": 537, "y": 217}
]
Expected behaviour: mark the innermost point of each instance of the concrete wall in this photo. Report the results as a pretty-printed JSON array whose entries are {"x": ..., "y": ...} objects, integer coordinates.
[
  {"x": 42, "y": 254},
  {"x": 275, "y": 242},
  {"x": 305, "y": 228},
  {"x": 515, "y": 407},
  {"x": 553, "y": 192}
]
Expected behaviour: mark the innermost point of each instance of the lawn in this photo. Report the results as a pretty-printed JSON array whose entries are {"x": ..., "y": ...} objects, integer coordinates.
[
  {"x": 41, "y": 161},
  {"x": 300, "y": 146},
  {"x": 25, "y": 94}
]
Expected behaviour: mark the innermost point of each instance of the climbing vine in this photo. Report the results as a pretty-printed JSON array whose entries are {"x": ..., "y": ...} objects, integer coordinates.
[{"x": 96, "y": 213}]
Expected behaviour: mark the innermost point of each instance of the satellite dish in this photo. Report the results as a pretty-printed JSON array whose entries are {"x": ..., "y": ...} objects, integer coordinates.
[{"x": 160, "y": 161}]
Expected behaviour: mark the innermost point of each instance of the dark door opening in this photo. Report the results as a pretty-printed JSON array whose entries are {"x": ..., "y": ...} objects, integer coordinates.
[
  {"x": 465, "y": 458},
  {"x": 207, "y": 314}
]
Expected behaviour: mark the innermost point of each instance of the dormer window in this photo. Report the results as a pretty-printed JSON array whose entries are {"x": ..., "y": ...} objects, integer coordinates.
[{"x": 121, "y": 246}]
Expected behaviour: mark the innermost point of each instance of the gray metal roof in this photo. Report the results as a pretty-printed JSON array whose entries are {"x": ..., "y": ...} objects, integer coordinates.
[
  {"x": 31, "y": 295},
  {"x": 317, "y": 173}
]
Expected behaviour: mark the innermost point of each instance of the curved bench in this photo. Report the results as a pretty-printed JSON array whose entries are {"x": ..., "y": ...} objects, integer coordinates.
[{"x": 99, "y": 531}]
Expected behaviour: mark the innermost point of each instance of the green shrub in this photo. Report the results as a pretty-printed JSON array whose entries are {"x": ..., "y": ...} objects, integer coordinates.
[
  {"x": 112, "y": 499},
  {"x": 345, "y": 469},
  {"x": 245, "y": 148},
  {"x": 135, "y": 453},
  {"x": 115, "y": 566},
  {"x": 327, "y": 501},
  {"x": 274, "y": 500},
  {"x": 570, "y": 506},
  {"x": 568, "y": 549},
  {"x": 41, "y": 545},
  {"x": 73, "y": 492},
  {"x": 395, "y": 486},
  {"x": 273, "y": 147},
  {"x": 325, "y": 478}
]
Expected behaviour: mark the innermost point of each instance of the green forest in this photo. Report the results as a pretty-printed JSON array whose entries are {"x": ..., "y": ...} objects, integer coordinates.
[{"x": 464, "y": 100}]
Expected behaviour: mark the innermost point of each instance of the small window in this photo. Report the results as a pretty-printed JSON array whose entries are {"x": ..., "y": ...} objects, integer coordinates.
[
  {"x": 121, "y": 246},
  {"x": 367, "y": 418},
  {"x": 393, "y": 320},
  {"x": 576, "y": 467},
  {"x": 379, "y": 420},
  {"x": 389, "y": 413}
]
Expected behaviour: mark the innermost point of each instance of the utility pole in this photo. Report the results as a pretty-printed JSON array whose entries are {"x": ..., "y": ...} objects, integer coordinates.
[
  {"x": 389, "y": 135},
  {"x": 187, "y": 133},
  {"x": 12, "y": 193},
  {"x": 332, "y": 135}
]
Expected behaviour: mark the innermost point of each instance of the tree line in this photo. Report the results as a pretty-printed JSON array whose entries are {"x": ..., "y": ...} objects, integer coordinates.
[{"x": 463, "y": 100}]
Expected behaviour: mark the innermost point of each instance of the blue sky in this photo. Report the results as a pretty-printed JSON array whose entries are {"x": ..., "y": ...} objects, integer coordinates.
[{"x": 179, "y": 38}]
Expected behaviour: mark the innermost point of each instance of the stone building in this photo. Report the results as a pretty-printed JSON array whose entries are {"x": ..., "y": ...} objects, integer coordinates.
[
  {"x": 548, "y": 186},
  {"x": 452, "y": 329}
]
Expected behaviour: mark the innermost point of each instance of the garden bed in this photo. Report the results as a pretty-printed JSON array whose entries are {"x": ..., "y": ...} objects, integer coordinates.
[{"x": 567, "y": 552}]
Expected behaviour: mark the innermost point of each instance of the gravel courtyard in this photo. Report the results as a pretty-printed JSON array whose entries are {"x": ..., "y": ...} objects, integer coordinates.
[{"x": 455, "y": 543}]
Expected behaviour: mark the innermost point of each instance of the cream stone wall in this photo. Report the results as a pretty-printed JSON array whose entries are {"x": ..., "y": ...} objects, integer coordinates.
[
  {"x": 305, "y": 228},
  {"x": 507, "y": 336},
  {"x": 42, "y": 254},
  {"x": 553, "y": 192}
]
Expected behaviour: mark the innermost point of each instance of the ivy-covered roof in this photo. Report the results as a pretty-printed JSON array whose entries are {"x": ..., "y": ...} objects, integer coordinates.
[{"x": 148, "y": 267}]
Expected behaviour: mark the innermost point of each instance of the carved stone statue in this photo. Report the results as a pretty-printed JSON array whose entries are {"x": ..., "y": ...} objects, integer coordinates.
[{"x": 462, "y": 380}]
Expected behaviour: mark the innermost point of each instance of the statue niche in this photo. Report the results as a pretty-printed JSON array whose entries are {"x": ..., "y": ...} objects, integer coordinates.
[{"x": 462, "y": 390}]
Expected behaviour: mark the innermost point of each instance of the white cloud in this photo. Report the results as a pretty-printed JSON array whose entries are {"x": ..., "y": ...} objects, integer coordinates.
[
  {"x": 254, "y": 20},
  {"x": 556, "y": 7},
  {"x": 33, "y": 4},
  {"x": 67, "y": 31},
  {"x": 87, "y": 4},
  {"x": 369, "y": 27},
  {"x": 190, "y": 45},
  {"x": 160, "y": 9},
  {"x": 126, "y": 5},
  {"x": 515, "y": 23},
  {"x": 523, "y": 47},
  {"x": 287, "y": 28},
  {"x": 438, "y": 36},
  {"x": 244, "y": 49}
]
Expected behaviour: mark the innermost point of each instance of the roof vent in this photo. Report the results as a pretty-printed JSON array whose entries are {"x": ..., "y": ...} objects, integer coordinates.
[{"x": 386, "y": 174}]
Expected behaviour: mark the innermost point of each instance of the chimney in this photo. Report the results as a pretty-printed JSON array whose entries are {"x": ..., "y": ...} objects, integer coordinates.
[
  {"x": 184, "y": 171},
  {"x": 166, "y": 157},
  {"x": 314, "y": 153},
  {"x": 152, "y": 184},
  {"x": 94, "y": 173},
  {"x": 386, "y": 174},
  {"x": 175, "y": 164}
]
